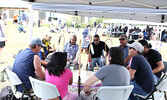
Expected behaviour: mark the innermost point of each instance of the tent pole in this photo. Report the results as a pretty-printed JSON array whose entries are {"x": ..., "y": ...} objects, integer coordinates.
[
  {"x": 160, "y": 32},
  {"x": 30, "y": 25}
]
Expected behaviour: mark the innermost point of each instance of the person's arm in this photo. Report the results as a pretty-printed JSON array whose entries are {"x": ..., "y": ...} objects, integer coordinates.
[
  {"x": 44, "y": 63},
  {"x": 89, "y": 60},
  {"x": 71, "y": 80},
  {"x": 89, "y": 82},
  {"x": 127, "y": 59},
  {"x": 132, "y": 73},
  {"x": 37, "y": 65},
  {"x": 160, "y": 66}
]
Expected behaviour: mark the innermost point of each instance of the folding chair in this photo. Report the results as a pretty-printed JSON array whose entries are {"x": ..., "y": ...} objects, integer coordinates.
[
  {"x": 15, "y": 80},
  {"x": 158, "y": 93},
  {"x": 114, "y": 92},
  {"x": 44, "y": 90}
]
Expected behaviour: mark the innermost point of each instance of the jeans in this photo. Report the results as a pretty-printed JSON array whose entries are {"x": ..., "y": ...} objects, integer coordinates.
[
  {"x": 100, "y": 61},
  {"x": 136, "y": 90},
  {"x": 155, "y": 78}
]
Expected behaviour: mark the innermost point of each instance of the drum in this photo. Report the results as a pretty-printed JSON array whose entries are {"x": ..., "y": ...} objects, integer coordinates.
[{"x": 84, "y": 76}]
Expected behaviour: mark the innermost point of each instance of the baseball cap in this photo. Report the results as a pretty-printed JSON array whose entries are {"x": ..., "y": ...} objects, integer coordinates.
[
  {"x": 137, "y": 46},
  {"x": 37, "y": 41}
]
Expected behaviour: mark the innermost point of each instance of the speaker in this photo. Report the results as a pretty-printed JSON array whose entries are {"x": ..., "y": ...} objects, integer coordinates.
[
  {"x": 163, "y": 17},
  {"x": 76, "y": 13}
]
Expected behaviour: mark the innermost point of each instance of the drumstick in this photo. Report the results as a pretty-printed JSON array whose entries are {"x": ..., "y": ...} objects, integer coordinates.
[
  {"x": 57, "y": 50},
  {"x": 89, "y": 51},
  {"x": 63, "y": 41},
  {"x": 106, "y": 47},
  {"x": 79, "y": 78}
]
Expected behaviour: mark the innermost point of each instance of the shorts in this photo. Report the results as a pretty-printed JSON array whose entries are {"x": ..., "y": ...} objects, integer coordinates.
[{"x": 2, "y": 44}]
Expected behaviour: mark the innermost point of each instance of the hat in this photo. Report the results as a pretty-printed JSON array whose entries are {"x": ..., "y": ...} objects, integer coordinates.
[
  {"x": 137, "y": 46},
  {"x": 37, "y": 41}
]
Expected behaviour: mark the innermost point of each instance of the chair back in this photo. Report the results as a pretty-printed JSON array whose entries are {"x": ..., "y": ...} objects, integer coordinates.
[
  {"x": 13, "y": 78},
  {"x": 162, "y": 86},
  {"x": 114, "y": 92},
  {"x": 43, "y": 89}
]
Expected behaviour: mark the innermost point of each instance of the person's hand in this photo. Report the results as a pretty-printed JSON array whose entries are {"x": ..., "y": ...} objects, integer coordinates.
[
  {"x": 68, "y": 59},
  {"x": 76, "y": 62},
  {"x": 90, "y": 64},
  {"x": 87, "y": 93}
]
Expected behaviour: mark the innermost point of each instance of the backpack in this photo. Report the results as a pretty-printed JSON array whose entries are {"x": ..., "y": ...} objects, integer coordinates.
[{"x": 6, "y": 93}]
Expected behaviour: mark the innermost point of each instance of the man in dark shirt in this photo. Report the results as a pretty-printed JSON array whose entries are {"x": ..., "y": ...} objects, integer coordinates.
[
  {"x": 140, "y": 72},
  {"x": 27, "y": 63},
  {"x": 96, "y": 50},
  {"x": 153, "y": 57}
]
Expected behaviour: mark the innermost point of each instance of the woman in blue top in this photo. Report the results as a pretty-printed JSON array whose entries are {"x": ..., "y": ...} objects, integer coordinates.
[{"x": 86, "y": 38}]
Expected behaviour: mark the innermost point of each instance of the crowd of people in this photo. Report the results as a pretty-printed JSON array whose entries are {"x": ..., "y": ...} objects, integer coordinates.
[{"x": 130, "y": 63}]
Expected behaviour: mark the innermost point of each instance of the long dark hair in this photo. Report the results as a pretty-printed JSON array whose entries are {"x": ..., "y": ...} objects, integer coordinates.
[
  {"x": 116, "y": 55},
  {"x": 57, "y": 63}
]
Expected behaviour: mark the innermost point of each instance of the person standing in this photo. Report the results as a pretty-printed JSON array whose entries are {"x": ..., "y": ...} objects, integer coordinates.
[
  {"x": 86, "y": 38},
  {"x": 4, "y": 17},
  {"x": 123, "y": 45},
  {"x": 140, "y": 72},
  {"x": 27, "y": 63},
  {"x": 3, "y": 38}
]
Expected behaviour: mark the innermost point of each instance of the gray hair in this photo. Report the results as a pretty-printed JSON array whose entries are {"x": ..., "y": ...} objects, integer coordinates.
[
  {"x": 124, "y": 35},
  {"x": 32, "y": 46},
  {"x": 73, "y": 36}
]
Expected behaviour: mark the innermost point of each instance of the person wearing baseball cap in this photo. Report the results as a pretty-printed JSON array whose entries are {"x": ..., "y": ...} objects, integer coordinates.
[
  {"x": 140, "y": 72},
  {"x": 27, "y": 63},
  {"x": 154, "y": 58}
]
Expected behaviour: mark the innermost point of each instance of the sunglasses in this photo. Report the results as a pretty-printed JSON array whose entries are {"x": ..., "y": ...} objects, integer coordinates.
[
  {"x": 121, "y": 39},
  {"x": 95, "y": 40}
]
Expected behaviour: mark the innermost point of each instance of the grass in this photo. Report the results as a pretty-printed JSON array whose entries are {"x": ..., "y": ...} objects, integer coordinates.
[{"x": 17, "y": 41}]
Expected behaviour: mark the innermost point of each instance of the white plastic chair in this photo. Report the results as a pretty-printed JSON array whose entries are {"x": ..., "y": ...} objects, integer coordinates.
[
  {"x": 44, "y": 90},
  {"x": 114, "y": 92},
  {"x": 15, "y": 80}
]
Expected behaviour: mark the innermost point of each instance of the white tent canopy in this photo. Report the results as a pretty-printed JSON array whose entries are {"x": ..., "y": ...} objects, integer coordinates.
[
  {"x": 153, "y": 4},
  {"x": 141, "y": 10},
  {"x": 151, "y": 15}
]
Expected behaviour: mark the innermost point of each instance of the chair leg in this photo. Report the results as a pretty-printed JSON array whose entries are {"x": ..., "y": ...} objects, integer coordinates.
[
  {"x": 165, "y": 95},
  {"x": 153, "y": 96},
  {"x": 22, "y": 95}
]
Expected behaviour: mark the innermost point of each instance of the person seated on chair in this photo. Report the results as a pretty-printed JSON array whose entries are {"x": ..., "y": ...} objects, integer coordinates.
[
  {"x": 96, "y": 50},
  {"x": 71, "y": 48},
  {"x": 140, "y": 72},
  {"x": 45, "y": 50},
  {"x": 154, "y": 58},
  {"x": 27, "y": 63},
  {"x": 114, "y": 74},
  {"x": 57, "y": 74}
]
